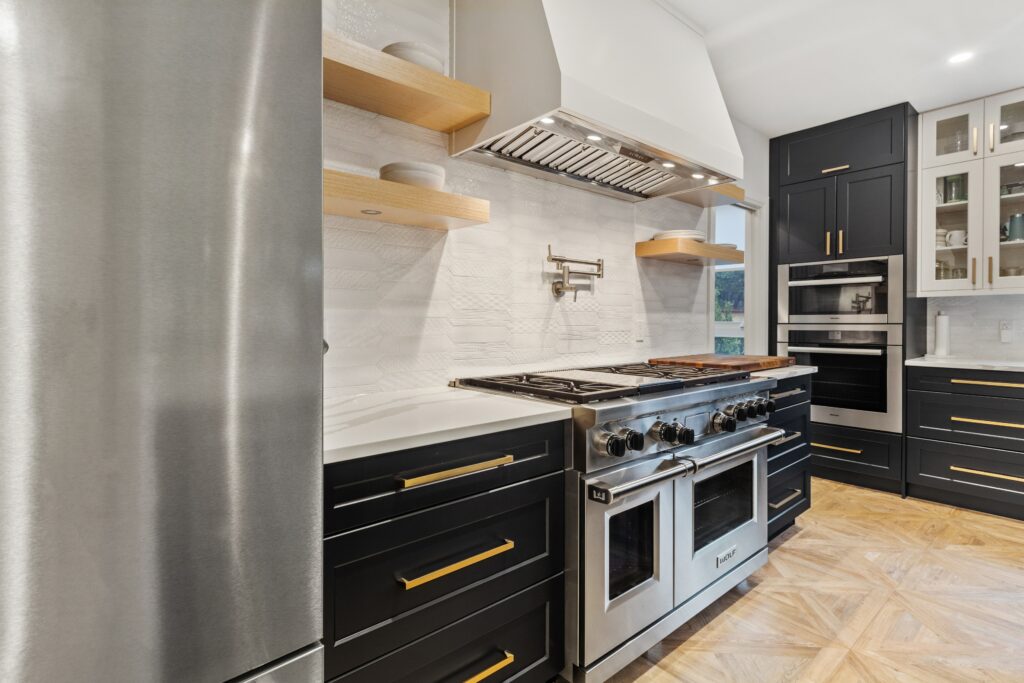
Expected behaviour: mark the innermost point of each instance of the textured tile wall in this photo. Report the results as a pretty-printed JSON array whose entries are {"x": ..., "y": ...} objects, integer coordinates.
[
  {"x": 974, "y": 325},
  {"x": 408, "y": 307}
]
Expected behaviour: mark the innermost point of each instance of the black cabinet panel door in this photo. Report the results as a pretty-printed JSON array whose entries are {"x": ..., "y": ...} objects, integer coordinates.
[
  {"x": 869, "y": 212},
  {"x": 807, "y": 214}
]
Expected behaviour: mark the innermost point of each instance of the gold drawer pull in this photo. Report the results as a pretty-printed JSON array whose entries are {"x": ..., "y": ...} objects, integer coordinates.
[
  {"x": 982, "y": 473},
  {"x": 828, "y": 243},
  {"x": 837, "y": 448},
  {"x": 492, "y": 669},
  {"x": 411, "y": 482},
  {"x": 786, "y": 394},
  {"x": 835, "y": 168},
  {"x": 461, "y": 564},
  {"x": 840, "y": 241},
  {"x": 788, "y": 499},
  {"x": 992, "y": 423},
  {"x": 980, "y": 383}
]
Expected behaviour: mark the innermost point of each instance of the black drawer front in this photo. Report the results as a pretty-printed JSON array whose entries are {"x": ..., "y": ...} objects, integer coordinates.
[
  {"x": 366, "y": 490},
  {"x": 988, "y": 473},
  {"x": 877, "y": 454},
  {"x": 977, "y": 420},
  {"x": 523, "y": 631},
  {"x": 865, "y": 141},
  {"x": 973, "y": 382},
  {"x": 791, "y": 392},
  {"x": 789, "y": 494},
  {"x": 796, "y": 421},
  {"x": 456, "y": 558}
]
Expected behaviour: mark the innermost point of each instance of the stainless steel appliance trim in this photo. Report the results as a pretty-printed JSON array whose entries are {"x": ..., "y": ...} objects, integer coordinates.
[
  {"x": 616, "y": 660},
  {"x": 607, "y": 493},
  {"x": 837, "y": 281},
  {"x": 782, "y": 293},
  {"x": 894, "y": 280},
  {"x": 893, "y": 333},
  {"x": 765, "y": 435},
  {"x": 835, "y": 351},
  {"x": 783, "y": 441},
  {"x": 302, "y": 667}
]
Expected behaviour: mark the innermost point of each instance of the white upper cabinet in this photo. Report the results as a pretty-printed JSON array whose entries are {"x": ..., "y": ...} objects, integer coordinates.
[
  {"x": 953, "y": 135},
  {"x": 951, "y": 228},
  {"x": 1004, "y": 123},
  {"x": 1004, "y": 222}
]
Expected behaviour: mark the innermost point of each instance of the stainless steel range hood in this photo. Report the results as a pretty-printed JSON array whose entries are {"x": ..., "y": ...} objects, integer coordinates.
[{"x": 611, "y": 96}]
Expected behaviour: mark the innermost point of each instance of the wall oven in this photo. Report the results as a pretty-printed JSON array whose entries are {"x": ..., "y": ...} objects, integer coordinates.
[
  {"x": 855, "y": 291},
  {"x": 859, "y": 382}
]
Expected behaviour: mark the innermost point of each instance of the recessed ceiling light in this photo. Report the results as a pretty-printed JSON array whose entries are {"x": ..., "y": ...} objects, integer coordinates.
[
  {"x": 595, "y": 138},
  {"x": 698, "y": 176},
  {"x": 371, "y": 212},
  {"x": 668, "y": 164},
  {"x": 960, "y": 57},
  {"x": 548, "y": 120},
  {"x": 1003, "y": 126}
]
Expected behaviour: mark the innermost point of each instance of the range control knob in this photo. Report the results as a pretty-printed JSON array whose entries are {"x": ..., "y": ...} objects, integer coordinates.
[
  {"x": 769, "y": 405},
  {"x": 614, "y": 445},
  {"x": 663, "y": 431},
  {"x": 720, "y": 422},
  {"x": 634, "y": 440},
  {"x": 761, "y": 407},
  {"x": 737, "y": 411},
  {"x": 685, "y": 435}
]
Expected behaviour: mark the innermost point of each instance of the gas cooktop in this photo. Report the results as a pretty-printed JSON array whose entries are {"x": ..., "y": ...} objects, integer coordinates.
[{"x": 603, "y": 383}]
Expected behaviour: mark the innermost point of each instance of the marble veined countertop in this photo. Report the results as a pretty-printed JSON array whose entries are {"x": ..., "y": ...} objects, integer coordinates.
[{"x": 967, "y": 363}]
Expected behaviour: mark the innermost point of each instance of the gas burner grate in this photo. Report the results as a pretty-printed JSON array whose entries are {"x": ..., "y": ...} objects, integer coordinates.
[
  {"x": 687, "y": 375},
  {"x": 559, "y": 388}
]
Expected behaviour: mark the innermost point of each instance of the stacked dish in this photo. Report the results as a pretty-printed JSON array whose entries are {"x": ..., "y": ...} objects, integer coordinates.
[{"x": 696, "y": 235}]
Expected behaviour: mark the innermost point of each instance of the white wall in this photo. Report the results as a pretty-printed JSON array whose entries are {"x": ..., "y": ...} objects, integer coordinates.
[
  {"x": 974, "y": 325},
  {"x": 409, "y": 307}
]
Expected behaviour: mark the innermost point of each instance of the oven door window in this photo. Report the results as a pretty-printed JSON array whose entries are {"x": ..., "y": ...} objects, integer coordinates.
[
  {"x": 844, "y": 381},
  {"x": 722, "y": 503},
  {"x": 631, "y": 548}
]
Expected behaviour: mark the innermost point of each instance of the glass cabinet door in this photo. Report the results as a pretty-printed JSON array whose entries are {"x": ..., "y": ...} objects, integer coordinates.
[
  {"x": 951, "y": 229},
  {"x": 1004, "y": 123},
  {"x": 1004, "y": 221},
  {"x": 952, "y": 134}
]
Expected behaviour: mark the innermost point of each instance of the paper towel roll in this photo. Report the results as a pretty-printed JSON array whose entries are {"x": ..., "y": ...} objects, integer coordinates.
[{"x": 941, "y": 334}]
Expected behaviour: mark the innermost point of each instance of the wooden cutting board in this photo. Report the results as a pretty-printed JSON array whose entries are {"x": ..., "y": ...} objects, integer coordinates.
[{"x": 723, "y": 362}]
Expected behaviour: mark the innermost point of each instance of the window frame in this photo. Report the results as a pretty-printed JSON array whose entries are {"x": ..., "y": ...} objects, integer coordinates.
[{"x": 755, "y": 267}]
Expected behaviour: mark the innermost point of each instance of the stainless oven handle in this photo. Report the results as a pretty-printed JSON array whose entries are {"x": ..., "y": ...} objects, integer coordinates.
[
  {"x": 834, "y": 351},
  {"x": 837, "y": 281},
  {"x": 600, "y": 492},
  {"x": 767, "y": 437}
]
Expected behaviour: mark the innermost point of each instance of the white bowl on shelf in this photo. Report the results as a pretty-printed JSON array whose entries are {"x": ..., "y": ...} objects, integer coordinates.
[
  {"x": 696, "y": 235},
  {"x": 418, "y": 173},
  {"x": 417, "y": 53}
]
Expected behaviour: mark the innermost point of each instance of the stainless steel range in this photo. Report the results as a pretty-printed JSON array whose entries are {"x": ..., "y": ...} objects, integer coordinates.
[{"x": 667, "y": 498}]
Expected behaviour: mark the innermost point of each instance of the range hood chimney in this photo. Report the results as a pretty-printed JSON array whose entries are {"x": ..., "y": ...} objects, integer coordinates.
[{"x": 614, "y": 96}]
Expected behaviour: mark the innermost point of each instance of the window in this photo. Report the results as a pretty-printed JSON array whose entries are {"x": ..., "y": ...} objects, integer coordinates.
[{"x": 730, "y": 227}]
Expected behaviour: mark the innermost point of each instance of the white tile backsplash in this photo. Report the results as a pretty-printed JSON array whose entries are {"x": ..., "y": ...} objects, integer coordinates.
[
  {"x": 974, "y": 325},
  {"x": 409, "y": 307}
]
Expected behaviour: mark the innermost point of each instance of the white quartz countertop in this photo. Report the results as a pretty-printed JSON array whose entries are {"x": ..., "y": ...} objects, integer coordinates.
[
  {"x": 787, "y": 372},
  {"x": 370, "y": 424},
  {"x": 967, "y": 363}
]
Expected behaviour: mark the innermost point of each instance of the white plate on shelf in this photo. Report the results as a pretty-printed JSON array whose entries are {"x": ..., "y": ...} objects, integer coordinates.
[
  {"x": 726, "y": 245},
  {"x": 696, "y": 235}
]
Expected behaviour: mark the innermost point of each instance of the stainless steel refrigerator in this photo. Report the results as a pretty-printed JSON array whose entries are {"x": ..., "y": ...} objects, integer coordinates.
[{"x": 160, "y": 340}]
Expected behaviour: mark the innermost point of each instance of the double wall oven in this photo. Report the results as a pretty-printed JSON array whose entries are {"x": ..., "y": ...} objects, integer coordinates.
[{"x": 846, "y": 318}]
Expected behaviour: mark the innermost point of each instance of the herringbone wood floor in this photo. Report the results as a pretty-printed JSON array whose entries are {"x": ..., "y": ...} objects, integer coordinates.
[{"x": 865, "y": 587}]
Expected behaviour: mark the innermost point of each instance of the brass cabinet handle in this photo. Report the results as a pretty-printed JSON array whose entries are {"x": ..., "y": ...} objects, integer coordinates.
[
  {"x": 991, "y": 137},
  {"x": 787, "y": 439},
  {"x": 828, "y": 243},
  {"x": 787, "y": 394},
  {"x": 409, "y": 584},
  {"x": 981, "y": 383},
  {"x": 982, "y": 473},
  {"x": 412, "y": 482},
  {"x": 837, "y": 448},
  {"x": 990, "y": 270},
  {"x": 974, "y": 140},
  {"x": 835, "y": 168},
  {"x": 788, "y": 499},
  {"x": 840, "y": 241},
  {"x": 991, "y": 423},
  {"x": 974, "y": 271},
  {"x": 492, "y": 669}
]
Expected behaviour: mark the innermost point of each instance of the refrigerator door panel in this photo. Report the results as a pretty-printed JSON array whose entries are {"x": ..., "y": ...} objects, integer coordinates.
[
  {"x": 160, "y": 337},
  {"x": 304, "y": 667}
]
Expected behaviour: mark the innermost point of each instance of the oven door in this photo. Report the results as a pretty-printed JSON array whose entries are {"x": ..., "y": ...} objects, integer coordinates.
[
  {"x": 855, "y": 291},
  {"x": 627, "y": 561},
  {"x": 721, "y": 520},
  {"x": 859, "y": 382}
]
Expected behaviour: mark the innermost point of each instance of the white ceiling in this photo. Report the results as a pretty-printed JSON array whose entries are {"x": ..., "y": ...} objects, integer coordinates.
[{"x": 785, "y": 65}]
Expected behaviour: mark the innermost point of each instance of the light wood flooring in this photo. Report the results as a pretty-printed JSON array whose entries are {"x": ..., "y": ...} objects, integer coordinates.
[{"x": 865, "y": 587}]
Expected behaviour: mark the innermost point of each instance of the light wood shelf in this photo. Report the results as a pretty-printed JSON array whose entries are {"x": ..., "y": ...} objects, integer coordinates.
[
  {"x": 713, "y": 195},
  {"x": 691, "y": 252},
  {"x": 347, "y": 194},
  {"x": 362, "y": 77}
]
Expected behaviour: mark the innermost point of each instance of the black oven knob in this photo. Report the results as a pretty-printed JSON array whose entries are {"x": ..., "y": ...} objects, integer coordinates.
[
  {"x": 738, "y": 412},
  {"x": 761, "y": 408},
  {"x": 663, "y": 431},
  {"x": 769, "y": 406},
  {"x": 720, "y": 422},
  {"x": 615, "y": 445},
  {"x": 685, "y": 436},
  {"x": 635, "y": 441}
]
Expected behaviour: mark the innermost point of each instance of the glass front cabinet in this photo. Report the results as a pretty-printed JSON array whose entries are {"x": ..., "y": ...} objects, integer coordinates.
[{"x": 971, "y": 219}]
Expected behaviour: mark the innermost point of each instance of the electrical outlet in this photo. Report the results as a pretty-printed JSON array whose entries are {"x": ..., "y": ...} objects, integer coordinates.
[{"x": 1006, "y": 331}]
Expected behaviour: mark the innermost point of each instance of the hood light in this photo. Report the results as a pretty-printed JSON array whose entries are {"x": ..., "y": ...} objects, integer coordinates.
[
  {"x": 668, "y": 164},
  {"x": 547, "y": 120},
  {"x": 698, "y": 176},
  {"x": 595, "y": 138}
]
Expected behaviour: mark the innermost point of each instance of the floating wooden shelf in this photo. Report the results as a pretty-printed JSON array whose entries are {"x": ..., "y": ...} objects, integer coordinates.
[
  {"x": 347, "y": 194},
  {"x": 713, "y": 195},
  {"x": 360, "y": 76},
  {"x": 690, "y": 252}
]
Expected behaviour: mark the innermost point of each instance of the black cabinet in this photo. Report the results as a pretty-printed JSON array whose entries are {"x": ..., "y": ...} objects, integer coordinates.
[
  {"x": 807, "y": 221},
  {"x": 870, "y": 212},
  {"x": 789, "y": 478},
  {"x": 857, "y": 456}
]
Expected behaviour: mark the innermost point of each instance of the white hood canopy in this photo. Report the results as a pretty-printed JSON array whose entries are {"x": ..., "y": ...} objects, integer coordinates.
[{"x": 615, "y": 96}]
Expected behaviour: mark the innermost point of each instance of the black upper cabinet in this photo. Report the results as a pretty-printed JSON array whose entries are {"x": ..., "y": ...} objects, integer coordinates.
[
  {"x": 807, "y": 215},
  {"x": 870, "y": 213},
  {"x": 877, "y": 138}
]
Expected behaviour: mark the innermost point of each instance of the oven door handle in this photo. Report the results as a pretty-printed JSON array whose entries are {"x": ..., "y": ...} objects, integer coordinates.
[
  {"x": 601, "y": 492},
  {"x": 768, "y": 436},
  {"x": 835, "y": 351},
  {"x": 867, "y": 279}
]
